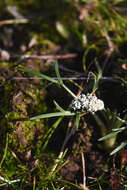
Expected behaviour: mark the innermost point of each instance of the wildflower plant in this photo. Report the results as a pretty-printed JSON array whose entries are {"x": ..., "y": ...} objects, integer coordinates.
[
  {"x": 80, "y": 106},
  {"x": 83, "y": 103}
]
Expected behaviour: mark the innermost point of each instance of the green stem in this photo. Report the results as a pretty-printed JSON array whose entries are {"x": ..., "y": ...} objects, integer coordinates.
[
  {"x": 5, "y": 152},
  {"x": 69, "y": 91}
]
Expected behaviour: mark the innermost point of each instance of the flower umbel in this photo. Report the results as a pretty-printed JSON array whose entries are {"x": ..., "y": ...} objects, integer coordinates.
[{"x": 88, "y": 103}]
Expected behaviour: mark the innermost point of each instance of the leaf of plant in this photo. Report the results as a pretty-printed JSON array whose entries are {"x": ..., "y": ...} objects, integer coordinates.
[
  {"x": 40, "y": 75},
  {"x": 120, "y": 129},
  {"x": 100, "y": 188},
  {"x": 61, "y": 28},
  {"x": 58, "y": 107},
  {"x": 56, "y": 114},
  {"x": 61, "y": 162},
  {"x": 77, "y": 120},
  {"x": 57, "y": 73},
  {"x": 109, "y": 135},
  {"x": 113, "y": 133},
  {"x": 123, "y": 121},
  {"x": 118, "y": 122},
  {"x": 123, "y": 144}
]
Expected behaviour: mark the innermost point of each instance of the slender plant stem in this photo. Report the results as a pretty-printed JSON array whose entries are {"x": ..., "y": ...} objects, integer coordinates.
[
  {"x": 69, "y": 91},
  {"x": 5, "y": 152}
]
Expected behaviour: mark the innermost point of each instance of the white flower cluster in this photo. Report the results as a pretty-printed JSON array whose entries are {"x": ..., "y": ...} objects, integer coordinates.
[{"x": 88, "y": 103}]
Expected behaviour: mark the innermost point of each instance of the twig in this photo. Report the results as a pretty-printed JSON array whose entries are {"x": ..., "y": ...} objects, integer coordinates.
[
  {"x": 84, "y": 173},
  {"x": 83, "y": 170},
  {"x": 14, "y": 21},
  {"x": 110, "y": 79},
  {"x": 45, "y": 57}
]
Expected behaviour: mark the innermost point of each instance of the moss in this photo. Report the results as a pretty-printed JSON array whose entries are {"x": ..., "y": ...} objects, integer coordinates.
[{"x": 30, "y": 131}]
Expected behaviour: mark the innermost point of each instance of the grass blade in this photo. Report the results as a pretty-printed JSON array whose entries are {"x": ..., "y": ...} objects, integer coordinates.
[
  {"x": 112, "y": 134},
  {"x": 119, "y": 148},
  {"x": 119, "y": 129},
  {"x": 99, "y": 185},
  {"x": 5, "y": 151},
  {"x": 56, "y": 114},
  {"x": 40, "y": 75},
  {"x": 57, "y": 73}
]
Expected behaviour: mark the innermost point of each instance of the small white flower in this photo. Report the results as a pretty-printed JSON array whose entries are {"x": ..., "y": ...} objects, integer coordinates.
[
  {"x": 87, "y": 102},
  {"x": 76, "y": 105},
  {"x": 91, "y": 97},
  {"x": 100, "y": 104},
  {"x": 82, "y": 97}
]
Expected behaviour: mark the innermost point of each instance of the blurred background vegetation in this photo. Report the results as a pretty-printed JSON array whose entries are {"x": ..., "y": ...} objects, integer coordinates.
[{"x": 94, "y": 32}]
